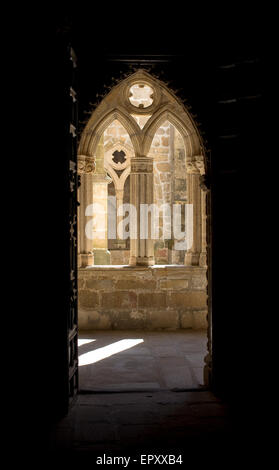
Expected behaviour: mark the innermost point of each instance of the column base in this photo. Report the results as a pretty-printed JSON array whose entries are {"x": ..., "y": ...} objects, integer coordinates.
[
  {"x": 85, "y": 259},
  {"x": 145, "y": 261},
  {"x": 132, "y": 261},
  {"x": 101, "y": 256}
]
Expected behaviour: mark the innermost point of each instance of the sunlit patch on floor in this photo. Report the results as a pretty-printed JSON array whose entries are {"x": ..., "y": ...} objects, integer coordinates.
[
  {"x": 101, "y": 353},
  {"x": 82, "y": 341}
]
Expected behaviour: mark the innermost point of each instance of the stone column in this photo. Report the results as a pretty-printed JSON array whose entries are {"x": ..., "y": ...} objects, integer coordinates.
[
  {"x": 192, "y": 256},
  {"x": 86, "y": 168},
  {"x": 100, "y": 183},
  {"x": 119, "y": 193},
  {"x": 141, "y": 192}
]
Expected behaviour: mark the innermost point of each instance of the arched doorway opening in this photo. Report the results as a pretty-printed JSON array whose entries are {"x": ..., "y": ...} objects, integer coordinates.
[{"x": 141, "y": 148}]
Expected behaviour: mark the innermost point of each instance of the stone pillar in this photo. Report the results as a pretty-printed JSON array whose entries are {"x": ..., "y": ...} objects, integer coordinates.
[
  {"x": 141, "y": 192},
  {"x": 100, "y": 183},
  {"x": 119, "y": 242},
  {"x": 194, "y": 170},
  {"x": 86, "y": 168}
]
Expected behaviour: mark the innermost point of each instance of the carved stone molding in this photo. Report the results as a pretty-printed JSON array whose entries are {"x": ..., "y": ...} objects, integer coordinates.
[
  {"x": 196, "y": 165},
  {"x": 191, "y": 167},
  {"x": 140, "y": 78},
  {"x": 109, "y": 156},
  {"x": 86, "y": 165},
  {"x": 199, "y": 162},
  {"x": 141, "y": 165}
]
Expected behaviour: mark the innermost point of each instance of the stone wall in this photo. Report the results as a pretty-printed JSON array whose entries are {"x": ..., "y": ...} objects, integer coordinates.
[
  {"x": 162, "y": 152},
  {"x": 170, "y": 182},
  {"x": 116, "y": 133},
  {"x": 153, "y": 298}
]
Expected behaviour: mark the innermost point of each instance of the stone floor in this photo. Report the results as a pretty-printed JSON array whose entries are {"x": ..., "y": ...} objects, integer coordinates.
[
  {"x": 141, "y": 393},
  {"x": 141, "y": 361},
  {"x": 132, "y": 424}
]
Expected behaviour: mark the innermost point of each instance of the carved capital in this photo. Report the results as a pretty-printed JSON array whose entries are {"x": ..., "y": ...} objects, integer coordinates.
[
  {"x": 191, "y": 167},
  {"x": 141, "y": 165},
  {"x": 196, "y": 165},
  {"x": 86, "y": 165}
]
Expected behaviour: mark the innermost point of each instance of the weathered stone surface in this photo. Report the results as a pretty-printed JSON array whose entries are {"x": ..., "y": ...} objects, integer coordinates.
[
  {"x": 163, "y": 167},
  {"x": 119, "y": 257},
  {"x": 160, "y": 319},
  {"x": 94, "y": 320},
  {"x": 198, "y": 282},
  {"x": 119, "y": 299},
  {"x": 81, "y": 281},
  {"x": 88, "y": 299},
  {"x": 174, "y": 284},
  {"x": 187, "y": 320},
  {"x": 135, "y": 284},
  {"x": 164, "y": 177},
  {"x": 152, "y": 300},
  {"x": 187, "y": 299},
  {"x": 125, "y": 320},
  {"x": 200, "y": 320},
  {"x": 83, "y": 318},
  {"x": 161, "y": 158},
  {"x": 165, "y": 141},
  {"x": 95, "y": 284},
  {"x": 194, "y": 319}
]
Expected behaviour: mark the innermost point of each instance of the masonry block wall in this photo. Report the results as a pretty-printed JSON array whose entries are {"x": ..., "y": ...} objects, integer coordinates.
[
  {"x": 170, "y": 184},
  {"x": 153, "y": 298}
]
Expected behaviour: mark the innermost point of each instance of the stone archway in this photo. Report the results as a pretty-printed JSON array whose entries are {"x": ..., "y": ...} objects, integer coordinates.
[{"x": 188, "y": 303}]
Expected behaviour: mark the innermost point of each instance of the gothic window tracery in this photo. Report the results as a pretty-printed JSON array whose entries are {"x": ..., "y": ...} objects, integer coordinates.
[{"x": 147, "y": 124}]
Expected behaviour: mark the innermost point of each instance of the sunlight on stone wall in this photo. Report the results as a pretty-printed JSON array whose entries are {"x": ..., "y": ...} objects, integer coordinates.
[{"x": 170, "y": 185}]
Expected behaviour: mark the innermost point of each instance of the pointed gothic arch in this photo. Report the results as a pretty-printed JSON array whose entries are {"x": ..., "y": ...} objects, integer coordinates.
[
  {"x": 98, "y": 124},
  {"x": 189, "y": 133},
  {"x": 165, "y": 106}
]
